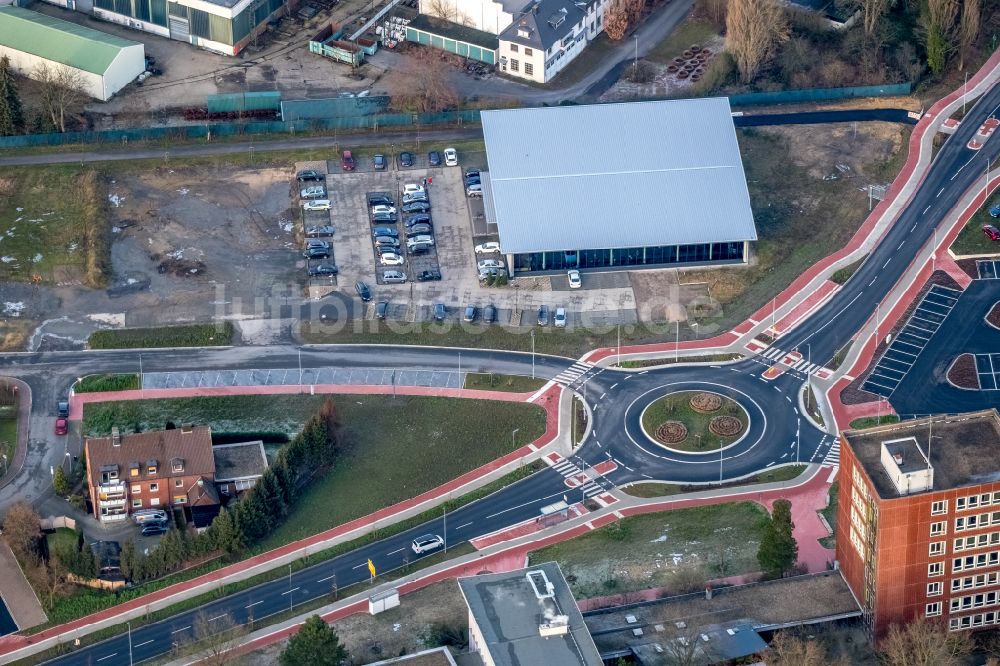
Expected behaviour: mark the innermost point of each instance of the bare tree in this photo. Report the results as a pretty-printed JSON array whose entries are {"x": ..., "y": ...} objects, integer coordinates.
[
  {"x": 714, "y": 11},
  {"x": 872, "y": 12},
  {"x": 62, "y": 88},
  {"x": 754, "y": 28},
  {"x": 939, "y": 27},
  {"x": 923, "y": 642},
  {"x": 787, "y": 649},
  {"x": 49, "y": 577},
  {"x": 448, "y": 11},
  {"x": 421, "y": 85},
  {"x": 616, "y": 19},
  {"x": 22, "y": 527},
  {"x": 968, "y": 29},
  {"x": 216, "y": 638}
]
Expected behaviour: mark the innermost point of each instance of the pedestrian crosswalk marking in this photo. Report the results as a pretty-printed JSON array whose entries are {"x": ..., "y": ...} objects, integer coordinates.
[
  {"x": 573, "y": 372},
  {"x": 800, "y": 365}
]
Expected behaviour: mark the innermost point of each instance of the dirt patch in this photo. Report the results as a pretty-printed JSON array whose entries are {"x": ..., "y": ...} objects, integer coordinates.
[
  {"x": 962, "y": 372},
  {"x": 994, "y": 316},
  {"x": 725, "y": 426},
  {"x": 852, "y": 394},
  {"x": 706, "y": 402},
  {"x": 677, "y": 76},
  {"x": 969, "y": 267},
  {"x": 671, "y": 432},
  {"x": 402, "y": 630}
]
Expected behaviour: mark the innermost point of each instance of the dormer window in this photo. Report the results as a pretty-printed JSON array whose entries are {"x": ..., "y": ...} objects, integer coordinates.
[
  {"x": 523, "y": 33},
  {"x": 177, "y": 465},
  {"x": 152, "y": 466},
  {"x": 133, "y": 469}
]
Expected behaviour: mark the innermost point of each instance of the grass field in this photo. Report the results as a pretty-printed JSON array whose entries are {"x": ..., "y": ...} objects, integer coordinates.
[
  {"x": 101, "y": 383},
  {"x": 496, "y": 382},
  {"x": 661, "y": 548},
  {"x": 187, "y": 335},
  {"x": 677, "y": 407},
  {"x": 396, "y": 447},
  {"x": 649, "y": 490},
  {"x": 62, "y": 535},
  {"x": 870, "y": 421},
  {"x": 8, "y": 434},
  {"x": 972, "y": 240},
  {"x": 691, "y": 31},
  {"x": 651, "y": 362},
  {"x": 844, "y": 274},
  {"x": 56, "y": 227}
]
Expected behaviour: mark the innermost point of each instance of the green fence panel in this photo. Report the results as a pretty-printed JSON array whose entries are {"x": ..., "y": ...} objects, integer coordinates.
[
  {"x": 245, "y": 101},
  {"x": 817, "y": 94}
]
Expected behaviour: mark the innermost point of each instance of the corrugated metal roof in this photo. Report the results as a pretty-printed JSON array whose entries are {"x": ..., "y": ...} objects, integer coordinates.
[
  {"x": 617, "y": 175},
  {"x": 60, "y": 41}
]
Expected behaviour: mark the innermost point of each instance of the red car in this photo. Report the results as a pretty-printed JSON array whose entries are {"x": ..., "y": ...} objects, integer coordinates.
[
  {"x": 991, "y": 232},
  {"x": 347, "y": 161},
  {"x": 62, "y": 427}
]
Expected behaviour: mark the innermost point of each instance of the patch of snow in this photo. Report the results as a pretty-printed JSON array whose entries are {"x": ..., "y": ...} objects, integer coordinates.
[
  {"x": 10, "y": 232},
  {"x": 38, "y": 257},
  {"x": 131, "y": 281},
  {"x": 396, "y": 626},
  {"x": 36, "y": 220},
  {"x": 7, "y": 259},
  {"x": 115, "y": 199},
  {"x": 21, "y": 217},
  {"x": 19, "y": 210},
  {"x": 176, "y": 254},
  {"x": 286, "y": 226},
  {"x": 116, "y": 230},
  {"x": 13, "y": 308},
  {"x": 659, "y": 539},
  {"x": 182, "y": 191}
]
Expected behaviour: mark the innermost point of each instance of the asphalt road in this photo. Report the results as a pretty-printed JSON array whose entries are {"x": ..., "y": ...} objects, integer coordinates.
[{"x": 617, "y": 398}]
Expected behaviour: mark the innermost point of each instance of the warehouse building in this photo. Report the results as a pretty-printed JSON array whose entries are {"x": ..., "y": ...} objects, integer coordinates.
[
  {"x": 224, "y": 26},
  {"x": 643, "y": 184},
  {"x": 104, "y": 63}
]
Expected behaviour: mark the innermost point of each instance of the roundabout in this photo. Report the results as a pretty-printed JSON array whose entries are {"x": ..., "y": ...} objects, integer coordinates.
[{"x": 694, "y": 421}]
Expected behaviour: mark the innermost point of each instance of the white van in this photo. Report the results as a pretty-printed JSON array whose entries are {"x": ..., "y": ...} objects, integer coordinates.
[
  {"x": 427, "y": 542},
  {"x": 149, "y": 516}
]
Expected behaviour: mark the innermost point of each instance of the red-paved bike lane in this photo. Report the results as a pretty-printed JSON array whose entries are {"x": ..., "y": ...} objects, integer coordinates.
[
  {"x": 864, "y": 234},
  {"x": 549, "y": 401}
]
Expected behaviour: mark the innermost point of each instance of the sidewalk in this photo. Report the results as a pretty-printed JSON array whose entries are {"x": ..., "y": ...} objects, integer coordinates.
[{"x": 23, "y": 646}]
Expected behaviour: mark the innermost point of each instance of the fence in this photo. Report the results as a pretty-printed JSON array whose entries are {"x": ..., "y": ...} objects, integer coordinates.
[
  {"x": 333, "y": 107},
  {"x": 54, "y": 522},
  {"x": 818, "y": 94},
  {"x": 242, "y": 102}
]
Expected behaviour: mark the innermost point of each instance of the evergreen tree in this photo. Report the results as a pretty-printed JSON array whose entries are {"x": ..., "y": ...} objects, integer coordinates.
[
  {"x": 226, "y": 534},
  {"x": 778, "y": 550},
  {"x": 269, "y": 495},
  {"x": 60, "y": 482},
  {"x": 11, "y": 112},
  {"x": 316, "y": 644}
]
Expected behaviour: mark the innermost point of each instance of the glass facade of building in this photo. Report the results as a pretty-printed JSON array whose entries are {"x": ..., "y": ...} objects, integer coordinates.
[{"x": 631, "y": 256}]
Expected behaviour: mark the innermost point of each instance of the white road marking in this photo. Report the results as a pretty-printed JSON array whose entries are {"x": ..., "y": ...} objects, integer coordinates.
[
  {"x": 614, "y": 385},
  {"x": 886, "y": 262},
  {"x": 323, "y": 580},
  {"x": 925, "y": 211},
  {"x": 363, "y": 564},
  {"x": 254, "y": 604},
  {"x": 901, "y": 245},
  {"x": 139, "y": 645},
  {"x": 177, "y": 631},
  {"x": 397, "y": 551},
  {"x": 602, "y": 395},
  {"x": 939, "y": 193},
  {"x": 461, "y": 526},
  {"x": 289, "y": 591},
  {"x": 217, "y": 617},
  {"x": 108, "y": 657},
  {"x": 873, "y": 281}
]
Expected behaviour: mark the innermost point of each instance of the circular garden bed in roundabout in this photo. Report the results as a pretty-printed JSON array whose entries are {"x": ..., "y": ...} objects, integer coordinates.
[{"x": 695, "y": 421}]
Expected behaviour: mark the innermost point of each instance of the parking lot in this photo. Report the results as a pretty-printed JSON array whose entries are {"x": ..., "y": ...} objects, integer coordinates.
[
  {"x": 900, "y": 356},
  {"x": 989, "y": 269},
  {"x": 457, "y": 226}
]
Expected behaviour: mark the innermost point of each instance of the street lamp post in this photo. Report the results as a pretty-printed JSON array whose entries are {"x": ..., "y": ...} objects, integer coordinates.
[
  {"x": 129, "y": 624},
  {"x": 532, "y": 353},
  {"x": 512, "y": 433},
  {"x": 290, "y": 586}
]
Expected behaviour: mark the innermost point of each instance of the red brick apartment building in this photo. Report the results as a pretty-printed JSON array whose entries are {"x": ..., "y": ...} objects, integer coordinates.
[
  {"x": 918, "y": 522},
  {"x": 150, "y": 470}
]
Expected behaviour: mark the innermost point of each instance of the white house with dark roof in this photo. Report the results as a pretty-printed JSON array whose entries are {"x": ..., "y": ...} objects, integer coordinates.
[{"x": 547, "y": 35}]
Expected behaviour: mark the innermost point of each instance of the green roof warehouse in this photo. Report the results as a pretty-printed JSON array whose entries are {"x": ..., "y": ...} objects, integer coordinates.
[{"x": 104, "y": 63}]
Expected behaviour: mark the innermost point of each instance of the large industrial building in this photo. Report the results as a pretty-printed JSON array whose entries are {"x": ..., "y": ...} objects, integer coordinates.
[
  {"x": 103, "y": 63},
  {"x": 611, "y": 186},
  {"x": 918, "y": 523},
  {"x": 225, "y": 26}
]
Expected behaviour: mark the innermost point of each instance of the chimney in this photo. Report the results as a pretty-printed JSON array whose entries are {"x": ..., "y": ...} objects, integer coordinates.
[
  {"x": 898, "y": 457},
  {"x": 116, "y": 437},
  {"x": 187, "y": 429}
]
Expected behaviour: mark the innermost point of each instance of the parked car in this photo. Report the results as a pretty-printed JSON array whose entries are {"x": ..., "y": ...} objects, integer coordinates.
[
  {"x": 323, "y": 270},
  {"x": 543, "y": 315},
  {"x": 146, "y": 516},
  {"x": 991, "y": 232},
  {"x": 434, "y": 158},
  {"x": 420, "y": 248},
  {"x": 470, "y": 313},
  {"x": 416, "y": 207},
  {"x": 490, "y": 263},
  {"x": 347, "y": 161},
  {"x": 379, "y": 162},
  {"x": 393, "y": 277},
  {"x": 315, "y": 242},
  {"x": 381, "y": 309},
  {"x": 316, "y": 204},
  {"x": 386, "y": 241},
  {"x": 363, "y": 291},
  {"x": 488, "y": 248},
  {"x": 154, "y": 529},
  {"x": 573, "y": 276},
  {"x": 307, "y": 175},
  {"x": 384, "y": 218},
  {"x": 316, "y": 253},
  {"x": 383, "y": 208},
  {"x": 313, "y": 192},
  {"x": 419, "y": 230},
  {"x": 391, "y": 259},
  {"x": 385, "y": 231},
  {"x": 426, "y": 543},
  {"x": 417, "y": 240},
  {"x": 439, "y": 312},
  {"x": 412, "y": 187},
  {"x": 473, "y": 180},
  {"x": 319, "y": 231},
  {"x": 485, "y": 273},
  {"x": 451, "y": 157},
  {"x": 490, "y": 313},
  {"x": 414, "y": 196},
  {"x": 405, "y": 159},
  {"x": 419, "y": 218},
  {"x": 471, "y": 172},
  {"x": 427, "y": 276},
  {"x": 382, "y": 250},
  {"x": 380, "y": 199},
  {"x": 474, "y": 191},
  {"x": 995, "y": 210},
  {"x": 62, "y": 426},
  {"x": 62, "y": 408},
  {"x": 560, "y": 319}
]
